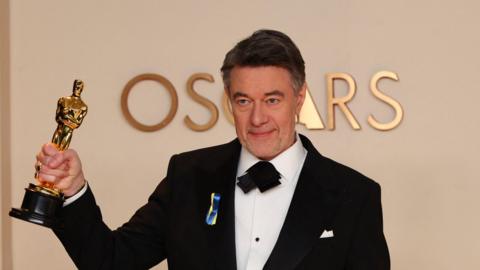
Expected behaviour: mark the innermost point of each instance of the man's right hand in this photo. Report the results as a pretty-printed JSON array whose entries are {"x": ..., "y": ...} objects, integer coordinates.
[{"x": 60, "y": 169}]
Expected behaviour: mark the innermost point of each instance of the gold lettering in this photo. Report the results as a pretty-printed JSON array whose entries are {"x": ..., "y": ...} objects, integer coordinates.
[
  {"x": 340, "y": 101},
  {"x": 309, "y": 115},
  {"x": 202, "y": 100},
  {"x": 227, "y": 108},
  {"x": 388, "y": 100},
  {"x": 173, "y": 105}
]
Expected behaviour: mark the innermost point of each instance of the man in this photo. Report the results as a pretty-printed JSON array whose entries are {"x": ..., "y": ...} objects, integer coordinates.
[{"x": 224, "y": 207}]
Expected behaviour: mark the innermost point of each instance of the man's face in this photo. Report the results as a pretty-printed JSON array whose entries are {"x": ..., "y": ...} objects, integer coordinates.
[{"x": 264, "y": 107}]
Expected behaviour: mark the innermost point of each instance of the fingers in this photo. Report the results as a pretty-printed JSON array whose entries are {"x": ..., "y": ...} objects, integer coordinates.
[
  {"x": 50, "y": 156},
  {"x": 49, "y": 149},
  {"x": 52, "y": 175},
  {"x": 59, "y": 169}
]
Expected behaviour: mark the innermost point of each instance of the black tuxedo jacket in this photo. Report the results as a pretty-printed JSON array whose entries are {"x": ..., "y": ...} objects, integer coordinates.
[{"x": 328, "y": 196}]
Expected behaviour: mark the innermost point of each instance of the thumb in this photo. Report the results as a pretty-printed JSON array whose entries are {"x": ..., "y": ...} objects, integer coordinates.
[{"x": 73, "y": 160}]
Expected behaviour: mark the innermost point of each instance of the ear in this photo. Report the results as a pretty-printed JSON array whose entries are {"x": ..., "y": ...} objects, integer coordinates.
[{"x": 301, "y": 98}]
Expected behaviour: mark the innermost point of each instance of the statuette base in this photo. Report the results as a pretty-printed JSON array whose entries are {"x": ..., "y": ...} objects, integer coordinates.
[{"x": 39, "y": 206}]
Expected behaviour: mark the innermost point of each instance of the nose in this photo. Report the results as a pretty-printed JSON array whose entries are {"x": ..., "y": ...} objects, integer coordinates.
[{"x": 259, "y": 115}]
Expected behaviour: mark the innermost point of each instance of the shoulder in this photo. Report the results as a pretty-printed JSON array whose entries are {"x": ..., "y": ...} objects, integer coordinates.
[
  {"x": 347, "y": 184},
  {"x": 349, "y": 177},
  {"x": 209, "y": 155},
  {"x": 336, "y": 174}
]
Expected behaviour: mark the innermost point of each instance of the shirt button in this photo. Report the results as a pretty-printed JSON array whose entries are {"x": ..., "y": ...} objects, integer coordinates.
[{"x": 257, "y": 239}]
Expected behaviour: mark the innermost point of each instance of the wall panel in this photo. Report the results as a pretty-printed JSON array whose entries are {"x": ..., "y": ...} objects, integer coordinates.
[
  {"x": 426, "y": 166},
  {"x": 5, "y": 180}
]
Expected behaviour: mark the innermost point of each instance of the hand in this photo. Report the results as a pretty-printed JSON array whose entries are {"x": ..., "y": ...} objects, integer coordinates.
[{"x": 61, "y": 170}]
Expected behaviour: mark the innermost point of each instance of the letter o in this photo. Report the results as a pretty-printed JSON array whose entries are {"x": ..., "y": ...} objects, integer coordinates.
[{"x": 173, "y": 97}]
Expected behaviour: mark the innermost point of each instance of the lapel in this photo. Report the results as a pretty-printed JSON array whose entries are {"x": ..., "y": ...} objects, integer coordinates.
[
  {"x": 310, "y": 212},
  {"x": 218, "y": 176}
]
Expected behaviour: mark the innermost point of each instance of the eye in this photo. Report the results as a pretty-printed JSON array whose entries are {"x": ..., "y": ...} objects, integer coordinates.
[
  {"x": 242, "y": 101},
  {"x": 272, "y": 101}
]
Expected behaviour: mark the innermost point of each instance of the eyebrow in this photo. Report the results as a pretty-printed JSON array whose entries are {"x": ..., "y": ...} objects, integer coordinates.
[
  {"x": 271, "y": 93},
  {"x": 239, "y": 94},
  {"x": 275, "y": 93}
]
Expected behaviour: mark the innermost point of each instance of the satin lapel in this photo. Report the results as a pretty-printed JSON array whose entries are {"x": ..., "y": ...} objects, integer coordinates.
[
  {"x": 308, "y": 214},
  {"x": 220, "y": 178}
]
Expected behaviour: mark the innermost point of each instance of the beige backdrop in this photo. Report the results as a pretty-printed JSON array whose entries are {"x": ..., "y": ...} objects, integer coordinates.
[
  {"x": 5, "y": 199},
  {"x": 426, "y": 166}
]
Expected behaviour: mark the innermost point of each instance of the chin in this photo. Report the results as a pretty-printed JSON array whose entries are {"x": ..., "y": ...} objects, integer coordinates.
[
  {"x": 265, "y": 153},
  {"x": 264, "y": 157}
]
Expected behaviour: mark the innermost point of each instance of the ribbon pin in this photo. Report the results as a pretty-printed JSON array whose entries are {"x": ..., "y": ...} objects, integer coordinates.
[{"x": 211, "y": 218}]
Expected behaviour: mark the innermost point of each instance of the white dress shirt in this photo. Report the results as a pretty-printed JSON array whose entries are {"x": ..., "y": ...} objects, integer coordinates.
[
  {"x": 76, "y": 196},
  {"x": 259, "y": 216}
]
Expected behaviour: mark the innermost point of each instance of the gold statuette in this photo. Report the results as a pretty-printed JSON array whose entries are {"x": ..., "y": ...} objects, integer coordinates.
[
  {"x": 42, "y": 202},
  {"x": 70, "y": 113}
]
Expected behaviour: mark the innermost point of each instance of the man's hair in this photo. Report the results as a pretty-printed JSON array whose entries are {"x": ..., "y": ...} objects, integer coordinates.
[{"x": 266, "y": 48}]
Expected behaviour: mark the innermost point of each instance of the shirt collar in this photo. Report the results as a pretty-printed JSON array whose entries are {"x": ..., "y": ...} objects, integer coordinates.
[{"x": 287, "y": 163}]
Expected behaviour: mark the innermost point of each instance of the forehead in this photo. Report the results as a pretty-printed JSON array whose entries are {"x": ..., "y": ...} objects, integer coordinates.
[{"x": 259, "y": 80}]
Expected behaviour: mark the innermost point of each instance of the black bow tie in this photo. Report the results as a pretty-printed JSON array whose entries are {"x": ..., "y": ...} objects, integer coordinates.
[{"x": 262, "y": 175}]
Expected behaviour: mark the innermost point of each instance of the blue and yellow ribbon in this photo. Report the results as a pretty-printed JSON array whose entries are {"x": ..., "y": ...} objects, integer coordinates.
[{"x": 211, "y": 218}]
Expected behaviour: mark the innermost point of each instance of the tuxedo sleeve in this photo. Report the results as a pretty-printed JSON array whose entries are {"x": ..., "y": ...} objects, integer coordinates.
[
  {"x": 138, "y": 244},
  {"x": 369, "y": 249}
]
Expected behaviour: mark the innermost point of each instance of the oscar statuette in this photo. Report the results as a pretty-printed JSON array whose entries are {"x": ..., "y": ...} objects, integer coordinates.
[{"x": 42, "y": 201}]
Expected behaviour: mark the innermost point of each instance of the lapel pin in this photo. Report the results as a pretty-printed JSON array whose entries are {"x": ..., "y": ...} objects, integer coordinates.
[{"x": 212, "y": 214}]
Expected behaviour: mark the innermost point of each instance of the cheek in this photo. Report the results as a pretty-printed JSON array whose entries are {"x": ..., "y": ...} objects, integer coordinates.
[
  {"x": 286, "y": 119},
  {"x": 298, "y": 109},
  {"x": 240, "y": 123}
]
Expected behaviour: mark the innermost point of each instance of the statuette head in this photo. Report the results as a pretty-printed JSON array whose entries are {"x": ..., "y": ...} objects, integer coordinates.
[{"x": 77, "y": 88}]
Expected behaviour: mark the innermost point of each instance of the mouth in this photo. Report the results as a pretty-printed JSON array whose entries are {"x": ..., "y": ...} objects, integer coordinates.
[{"x": 260, "y": 134}]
